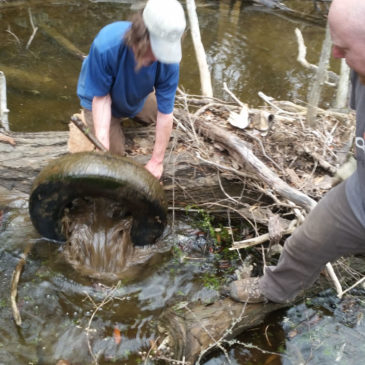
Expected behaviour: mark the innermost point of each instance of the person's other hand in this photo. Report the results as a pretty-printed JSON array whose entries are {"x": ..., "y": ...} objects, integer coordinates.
[{"x": 155, "y": 168}]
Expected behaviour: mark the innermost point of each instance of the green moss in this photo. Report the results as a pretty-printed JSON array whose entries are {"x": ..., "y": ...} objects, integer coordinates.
[{"x": 211, "y": 281}]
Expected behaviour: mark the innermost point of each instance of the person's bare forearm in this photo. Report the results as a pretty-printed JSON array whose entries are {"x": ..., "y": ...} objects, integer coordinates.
[
  {"x": 101, "y": 110},
  {"x": 163, "y": 132}
]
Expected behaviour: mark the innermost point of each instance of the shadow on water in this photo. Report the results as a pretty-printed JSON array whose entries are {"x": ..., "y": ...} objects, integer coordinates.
[{"x": 247, "y": 47}]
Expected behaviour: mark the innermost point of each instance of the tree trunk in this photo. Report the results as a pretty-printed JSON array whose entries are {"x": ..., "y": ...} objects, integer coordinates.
[
  {"x": 187, "y": 181},
  {"x": 316, "y": 89},
  {"x": 205, "y": 80}
]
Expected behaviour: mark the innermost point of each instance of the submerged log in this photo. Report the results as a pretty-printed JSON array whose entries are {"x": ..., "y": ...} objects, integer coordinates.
[
  {"x": 65, "y": 43},
  {"x": 30, "y": 81},
  {"x": 193, "y": 331}
]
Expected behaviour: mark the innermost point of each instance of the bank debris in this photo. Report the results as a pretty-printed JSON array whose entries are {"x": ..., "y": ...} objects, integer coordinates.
[
  {"x": 274, "y": 165},
  {"x": 271, "y": 169}
]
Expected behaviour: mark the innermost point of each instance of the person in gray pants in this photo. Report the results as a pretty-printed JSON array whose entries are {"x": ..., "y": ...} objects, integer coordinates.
[{"x": 336, "y": 226}]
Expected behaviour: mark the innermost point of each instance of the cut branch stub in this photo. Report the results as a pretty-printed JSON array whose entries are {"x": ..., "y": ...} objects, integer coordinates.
[{"x": 89, "y": 174}]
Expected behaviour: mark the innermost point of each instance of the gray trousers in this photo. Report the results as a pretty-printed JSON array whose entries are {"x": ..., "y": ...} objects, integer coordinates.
[{"x": 330, "y": 231}]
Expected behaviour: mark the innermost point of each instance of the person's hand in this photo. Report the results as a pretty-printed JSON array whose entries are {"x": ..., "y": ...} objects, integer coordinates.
[{"x": 155, "y": 168}]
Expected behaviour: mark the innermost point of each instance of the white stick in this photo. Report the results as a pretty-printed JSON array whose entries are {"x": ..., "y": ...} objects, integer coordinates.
[
  {"x": 4, "y": 111},
  {"x": 343, "y": 85},
  {"x": 205, "y": 80},
  {"x": 334, "y": 278},
  {"x": 302, "y": 51}
]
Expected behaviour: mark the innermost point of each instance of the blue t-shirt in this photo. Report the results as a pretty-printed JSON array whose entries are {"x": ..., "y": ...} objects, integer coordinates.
[{"x": 110, "y": 69}]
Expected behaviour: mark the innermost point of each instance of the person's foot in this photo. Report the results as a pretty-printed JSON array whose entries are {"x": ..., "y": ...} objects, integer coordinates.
[{"x": 246, "y": 290}]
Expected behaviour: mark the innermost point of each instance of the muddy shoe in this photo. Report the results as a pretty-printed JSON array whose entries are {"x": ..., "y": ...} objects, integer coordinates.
[{"x": 246, "y": 290}]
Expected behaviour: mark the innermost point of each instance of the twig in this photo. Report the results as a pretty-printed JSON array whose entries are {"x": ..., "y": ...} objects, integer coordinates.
[
  {"x": 333, "y": 276},
  {"x": 302, "y": 52},
  {"x": 258, "y": 240},
  {"x": 268, "y": 101},
  {"x": 351, "y": 287},
  {"x": 343, "y": 86},
  {"x": 322, "y": 162},
  {"x": 258, "y": 140},
  {"x": 297, "y": 212},
  {"x": 152, "y": 347},
  {"x": 106, "y": 300},
  {"x": 14, "y": 284},
  {"x": 218, "y": 343},
  {"x": 14, "y": 35},
  {"x": 34, "y": 29},
  {"x": 234, "y": 97},
  {"x": 267, "y": 337},
  {"x": 86, "y": 131}
]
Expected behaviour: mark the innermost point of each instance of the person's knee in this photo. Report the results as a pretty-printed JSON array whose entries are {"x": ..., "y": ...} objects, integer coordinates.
[
  {"x": 149, "y": 112},
  {"x": 116, "y": 137}
]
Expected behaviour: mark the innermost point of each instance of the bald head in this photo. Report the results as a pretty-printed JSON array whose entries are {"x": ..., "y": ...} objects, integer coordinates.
[
  {"x": 347, "y": 25},
  {"x": 349, "y": 14}
]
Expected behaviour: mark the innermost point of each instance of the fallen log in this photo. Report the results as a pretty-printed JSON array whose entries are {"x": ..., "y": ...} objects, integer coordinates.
[
  {"x": 30, "y": 81},
  {"x": 237, "y": 147},
  {"x": 201, "y": 173},
  {"x": 193, "y": 330},
  {"x": 187, "y": 181},
  {"x": 62, "y": 41}
]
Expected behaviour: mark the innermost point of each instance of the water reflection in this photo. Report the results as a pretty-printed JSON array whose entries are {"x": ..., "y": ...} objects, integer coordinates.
[{"x": 250, "y": 48}]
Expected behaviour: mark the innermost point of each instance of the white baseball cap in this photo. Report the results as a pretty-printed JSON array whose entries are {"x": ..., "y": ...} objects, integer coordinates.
[{"x": 165, "y": 21}]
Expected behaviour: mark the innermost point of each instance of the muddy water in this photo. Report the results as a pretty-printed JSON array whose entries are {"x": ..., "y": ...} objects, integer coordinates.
[
  {"x": 58, "y": 305},
  {"x": 251, "y": 49}
]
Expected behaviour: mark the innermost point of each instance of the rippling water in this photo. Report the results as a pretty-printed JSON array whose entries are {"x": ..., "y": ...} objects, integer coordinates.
[{"x": 58, "y": 304}]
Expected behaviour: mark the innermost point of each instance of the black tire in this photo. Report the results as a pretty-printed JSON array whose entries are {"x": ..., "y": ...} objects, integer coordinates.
[{"x": 91, "y": 174}]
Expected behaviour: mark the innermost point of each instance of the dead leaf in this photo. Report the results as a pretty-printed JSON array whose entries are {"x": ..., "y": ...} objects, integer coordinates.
[
  {"x": 117, "y": 336},
  {"x": 240, "y": 120},
  {"x": 7, "y": 139},
  {"x": 63, "y": 362},
  {"x": 272, "y": 359},
  {"x": 153, "y": 345}
]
